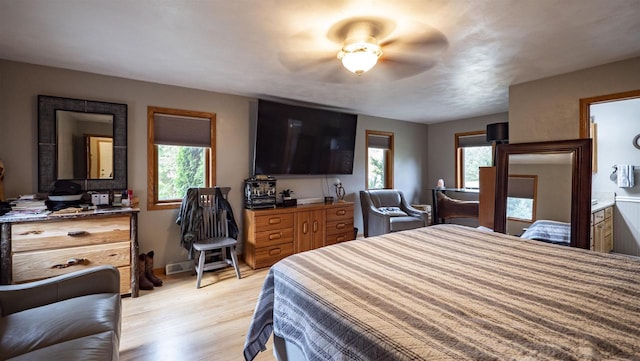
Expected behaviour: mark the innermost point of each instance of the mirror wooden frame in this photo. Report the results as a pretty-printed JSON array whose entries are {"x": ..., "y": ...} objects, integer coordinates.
[
  {"x": 47, "y": 141},
  {"x": 580, "y": 183}
]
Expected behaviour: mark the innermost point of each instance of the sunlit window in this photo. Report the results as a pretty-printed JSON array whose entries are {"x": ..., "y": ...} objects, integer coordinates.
[
  {"x": 180, "y": 168},
  {"x": 521, "y": 197},
  {"x": 520, "y": 208},
  {"x": 472, "y": 152},
  {"x": 379, "y": 169},
  {"x": 181, "y": 154}
]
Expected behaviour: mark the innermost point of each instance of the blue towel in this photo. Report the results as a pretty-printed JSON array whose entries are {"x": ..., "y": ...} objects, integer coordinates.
[{"x": 625, "y": 176}]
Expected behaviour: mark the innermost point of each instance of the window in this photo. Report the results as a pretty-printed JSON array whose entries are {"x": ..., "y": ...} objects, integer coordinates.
[
  {"x": 180, "y": 154},
  {"x": 521, "y": 197},
  {"x": 472, "y": 152},
  {"x": 379, "y": 166}
]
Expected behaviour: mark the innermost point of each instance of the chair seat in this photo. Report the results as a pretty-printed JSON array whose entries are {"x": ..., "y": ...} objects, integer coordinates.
[
  {"x": 214, "y": 243},
  {"x": 405, "y": 223}
]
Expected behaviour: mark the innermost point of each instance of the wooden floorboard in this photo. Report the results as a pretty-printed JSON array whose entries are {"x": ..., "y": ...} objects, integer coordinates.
[{"x": 179, "y": 322}]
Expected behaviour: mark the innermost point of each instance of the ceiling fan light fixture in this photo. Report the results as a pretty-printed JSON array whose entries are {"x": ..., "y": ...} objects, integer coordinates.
[{"x": 359, "y": 57}]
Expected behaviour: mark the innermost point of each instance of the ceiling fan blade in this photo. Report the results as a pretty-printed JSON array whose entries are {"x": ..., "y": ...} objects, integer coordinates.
[
  {"x": 428, "y": 42},
  {"x": 397, "y": 68},
  {"x": 297, "y": 61},
  {"x": 360, "y": 27}
]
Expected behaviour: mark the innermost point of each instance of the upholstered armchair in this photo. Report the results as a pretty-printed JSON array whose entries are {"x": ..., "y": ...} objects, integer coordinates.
[{"x": 386, "y": 210}]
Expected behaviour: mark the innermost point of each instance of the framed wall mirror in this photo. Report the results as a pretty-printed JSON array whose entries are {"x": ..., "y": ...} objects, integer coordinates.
[
  {"x": 562, "y": 189},
  {"x": 81, "y": 140}
]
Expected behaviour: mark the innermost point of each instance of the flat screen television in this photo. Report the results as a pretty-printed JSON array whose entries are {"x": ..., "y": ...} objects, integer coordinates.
[{"x": 298, "y": 140}]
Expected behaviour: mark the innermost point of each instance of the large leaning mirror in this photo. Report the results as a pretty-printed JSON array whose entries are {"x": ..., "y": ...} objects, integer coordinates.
[
  {"x": 81, "y": 140},
  {"x": 547, "y": 182}
]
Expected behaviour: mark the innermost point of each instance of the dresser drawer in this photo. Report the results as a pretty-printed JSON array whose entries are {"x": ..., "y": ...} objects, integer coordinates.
[
  {"x": 339, "y": 237},
  {"x": 598, "y": 216},
  {"x": 273, "y": 237},
  {"x": 340, "y": 226},
  {"x": 340, "y": 213},
  {"x": 69, "y": 233},
  {"x": 274, "y": 221},
  {"x": 42, "y": 264},
  {"x": 267, "y": 256}
]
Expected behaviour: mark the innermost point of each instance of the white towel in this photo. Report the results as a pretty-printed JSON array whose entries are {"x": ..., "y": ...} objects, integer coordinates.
[{"x": 625, "y": 176}]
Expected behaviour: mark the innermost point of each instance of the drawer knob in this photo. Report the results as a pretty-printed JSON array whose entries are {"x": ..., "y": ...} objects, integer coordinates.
[
  {"x": 275, "y": 235},
  {"x": 72, "y": 262},
  {"x": 340, "y": 226},
  {"x": 340, "y": 239},
  {"x": 275, "y": 220},
  {"x": 341, "y": 212},
  {"x": 274, "y": 251}
]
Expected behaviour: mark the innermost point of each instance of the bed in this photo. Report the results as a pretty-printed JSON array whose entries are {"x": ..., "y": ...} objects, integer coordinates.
[
  {"x": 549, "y": 231},
  {"x": 449, "y": 292}
]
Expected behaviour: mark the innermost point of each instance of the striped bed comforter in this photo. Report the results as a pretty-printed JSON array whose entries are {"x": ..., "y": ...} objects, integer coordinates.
[{"x": 451, "y": 292}]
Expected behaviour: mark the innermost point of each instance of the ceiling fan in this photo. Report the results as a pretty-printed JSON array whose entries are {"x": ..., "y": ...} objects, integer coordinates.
[{"x": 362, "y": 43}]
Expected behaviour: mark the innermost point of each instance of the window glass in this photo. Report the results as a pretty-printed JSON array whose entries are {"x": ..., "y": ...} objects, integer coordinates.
[
  {"x": 376, "y": 168},
  {"x": 520, "y": 208},
  {"x": 181, "y": 154},
  {"x": 472, "y": 152},
  {"x": 473, "y": 158},
  {"x": 180, "y": 168},
  {"x": 379, "y": 166},
  {"x": 521, "y": 197}
]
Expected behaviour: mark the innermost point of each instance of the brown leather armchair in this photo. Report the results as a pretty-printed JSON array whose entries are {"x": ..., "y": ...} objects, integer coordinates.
[{"x": 386, "y": 210}]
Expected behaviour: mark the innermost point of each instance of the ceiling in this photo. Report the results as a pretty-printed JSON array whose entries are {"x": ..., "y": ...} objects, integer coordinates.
[{"x": 239, "y": 47}]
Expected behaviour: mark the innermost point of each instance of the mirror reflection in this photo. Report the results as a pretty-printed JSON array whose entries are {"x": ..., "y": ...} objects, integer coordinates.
[
  {"x": 84, "y": 145},
  {"x": 57, "y": 162},
  {"x": 563, "y": 178},
  {"x": 539, "y": 194}
]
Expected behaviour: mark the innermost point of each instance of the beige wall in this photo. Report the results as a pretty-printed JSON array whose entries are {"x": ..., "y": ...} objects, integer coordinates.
[
  {"x": 548, "y": 109},
  {"x": 21, "y": 83}
]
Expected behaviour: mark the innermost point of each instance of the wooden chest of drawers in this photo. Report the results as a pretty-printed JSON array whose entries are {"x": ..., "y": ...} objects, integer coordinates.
[
  {"x": 273, "y": 234},
  {"x": 339, "y": 225},
  {"x": 42, "y": 247},
  {"x": 273, "y": 238}
]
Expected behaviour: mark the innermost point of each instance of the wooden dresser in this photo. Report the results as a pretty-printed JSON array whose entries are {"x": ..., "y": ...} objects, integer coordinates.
[
  {"x": 38, "y": 247},
  {"x": 273, "y": 234}
]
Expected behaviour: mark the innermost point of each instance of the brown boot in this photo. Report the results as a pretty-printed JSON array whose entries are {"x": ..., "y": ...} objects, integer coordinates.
[
  {"x": 143, "y": 281},
  {"x": 148, "y": 270}
]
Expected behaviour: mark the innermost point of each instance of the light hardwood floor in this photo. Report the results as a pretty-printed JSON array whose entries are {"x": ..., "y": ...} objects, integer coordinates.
[{"x": 179, "y": 322}]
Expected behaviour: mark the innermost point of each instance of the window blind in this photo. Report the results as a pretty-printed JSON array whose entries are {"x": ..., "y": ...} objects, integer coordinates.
[
  {"x": 379, "y": 141},
  {"x": 475, "y": 140},
  {"x": 521, "y": 187},
  {"x": 181, "y": 130}
]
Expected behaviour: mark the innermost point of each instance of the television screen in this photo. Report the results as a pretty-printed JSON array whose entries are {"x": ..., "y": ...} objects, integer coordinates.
[{"x": 298, "y": 140}]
